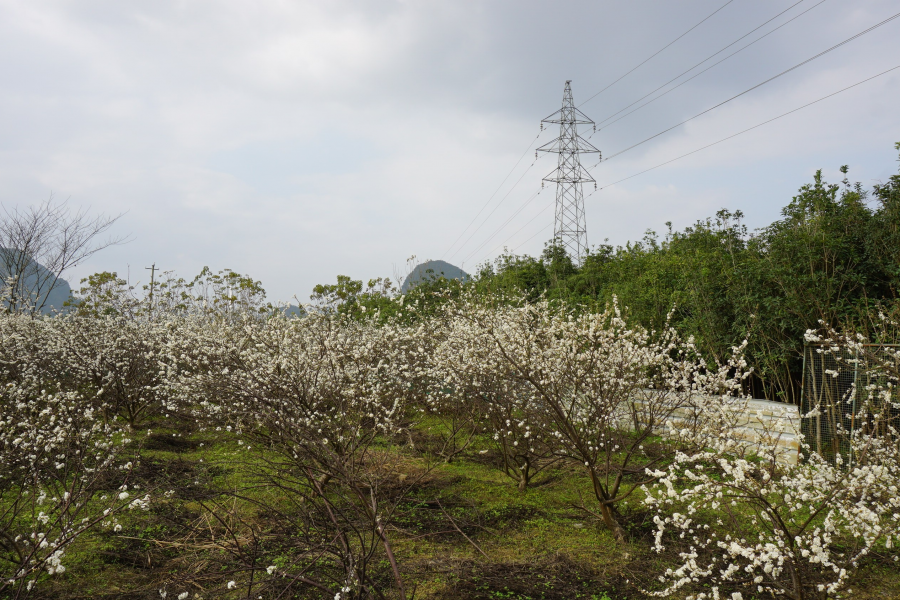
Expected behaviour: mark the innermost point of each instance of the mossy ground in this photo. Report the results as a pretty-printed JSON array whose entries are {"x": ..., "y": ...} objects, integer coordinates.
[{"x": 465, "y": 532}]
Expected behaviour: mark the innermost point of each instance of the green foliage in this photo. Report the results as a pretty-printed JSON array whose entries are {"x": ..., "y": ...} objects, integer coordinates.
[
  {"x": 808, "y": 267},
  {"x": 381, "y": 300},
  {"x": 225, "y": 293},
  {"x": 833, "y": 256},
  {"x": 104, "y": 294},
  {"x": 883, "y": 239},
  {"x": 347, "y": 297}
]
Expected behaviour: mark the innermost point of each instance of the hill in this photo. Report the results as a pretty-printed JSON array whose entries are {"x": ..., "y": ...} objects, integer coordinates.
[
  {"x": 37, "y": 280},
  {"x": 430, "y": 270}
]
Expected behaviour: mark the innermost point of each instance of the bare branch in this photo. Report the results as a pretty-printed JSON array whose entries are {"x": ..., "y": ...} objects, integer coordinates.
[{"x": 40, "y": 243}]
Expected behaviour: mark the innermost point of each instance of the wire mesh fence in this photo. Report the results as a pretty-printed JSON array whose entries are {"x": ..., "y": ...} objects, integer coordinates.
[{"x": 847, "y": 391}]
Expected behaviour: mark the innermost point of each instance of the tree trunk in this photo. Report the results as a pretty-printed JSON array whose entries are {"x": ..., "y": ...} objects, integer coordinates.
[
  {"x": 609, "y": 519},
  {"x": 523, "y": 483},
  {"x": 607, "y": 510}
]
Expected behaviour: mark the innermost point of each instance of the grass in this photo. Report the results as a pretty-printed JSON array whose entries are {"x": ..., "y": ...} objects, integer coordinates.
[{"x": 464, "y": 532}]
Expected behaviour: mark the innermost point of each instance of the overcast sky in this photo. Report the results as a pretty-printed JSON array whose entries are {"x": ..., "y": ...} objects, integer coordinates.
[{"x": 295, "y": 141}]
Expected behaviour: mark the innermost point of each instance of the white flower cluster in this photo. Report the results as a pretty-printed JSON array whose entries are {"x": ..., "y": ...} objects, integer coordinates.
[
  {"x": 791, "y": 530},
  {"x": 322, "y": 398},
  {"x": 118, "y": 360},
  {"x": 316, "y": 394},
  {"x": 588, "y": 388},
  {"x": 326, "y": 385},
  {"x": 55, "y": 449},
  {"x": 780, "y": 529},
  {"x": 60, "y": 443}
]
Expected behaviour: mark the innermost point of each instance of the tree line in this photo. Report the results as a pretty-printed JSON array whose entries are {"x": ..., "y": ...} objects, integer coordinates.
[{"x": 832, "y": 257}]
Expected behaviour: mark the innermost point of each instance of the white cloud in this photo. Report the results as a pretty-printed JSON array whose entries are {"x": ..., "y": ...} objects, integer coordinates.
[{"x": 298, "y": 140}]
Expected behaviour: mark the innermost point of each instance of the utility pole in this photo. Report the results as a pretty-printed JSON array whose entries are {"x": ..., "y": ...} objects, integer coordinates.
[
  {"x": 569, "y": 227},
  {"x": 152, "y": 270}
]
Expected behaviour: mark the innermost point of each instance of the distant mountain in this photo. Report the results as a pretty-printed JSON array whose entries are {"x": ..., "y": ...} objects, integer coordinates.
[
  {"x": 292, "y": 310},
  {"x": 431, "y": 270},
  {"x": 35, "y": 276}
]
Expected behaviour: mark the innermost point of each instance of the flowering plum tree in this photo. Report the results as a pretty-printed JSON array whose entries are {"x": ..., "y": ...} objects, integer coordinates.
[
  {"x": 590, "y": 387},
  {"x": 119, "y": 359},
  {"x": 478, "y": 379},
  {"x": 794, "y": 531},
  {"x": 57, "y": 458},
  {"x": 114, "y": 361},
  {"x": 791, "y": 530},
  {"x": 317, "y": 399}
]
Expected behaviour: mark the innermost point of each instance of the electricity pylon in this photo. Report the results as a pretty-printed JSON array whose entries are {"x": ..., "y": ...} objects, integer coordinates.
[{"x": 569, "y": 227}]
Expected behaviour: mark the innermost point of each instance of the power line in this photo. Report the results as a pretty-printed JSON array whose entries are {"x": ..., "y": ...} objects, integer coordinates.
[
  {"x": 706, "y": 59},
  {"x": 694, "y": 152},
  {"x": 750, "y": 128},
  {"x": 540, "y": 231},
  {"x": 656, "y": 53},
  {"x": 758, "y": 85},
  {"x": 530, "y": 221},
  {"x": 705, "y": 70},
  {"x": 505, "y": 223},
  {"x": 515, "y": 214},
  {"x": 872, "y": 28},
  {"x": 674, "y": 126},
  {"x": 519, "y": 210},
  {"x": 495, "y": 208},
  {"x": 495, "y": 193}
]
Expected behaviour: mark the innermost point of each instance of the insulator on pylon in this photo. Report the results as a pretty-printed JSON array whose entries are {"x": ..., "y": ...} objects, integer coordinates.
[
  {"x": 542, "y": 125},
  {"x": 542, "y": 185},
  {"x": 535, "y": 153},
  {"x": 595, "y": 186}
]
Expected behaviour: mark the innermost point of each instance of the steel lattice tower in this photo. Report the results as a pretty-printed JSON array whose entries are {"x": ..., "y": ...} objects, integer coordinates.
[{"x": 569, "y": 227}]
